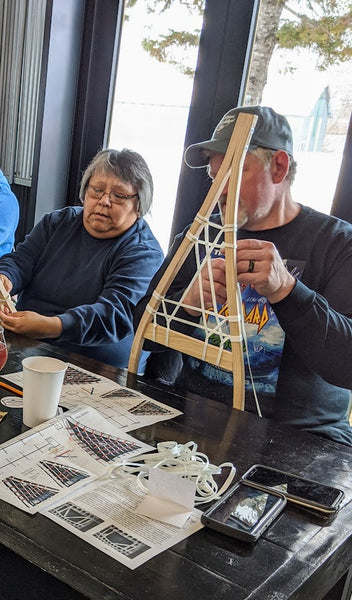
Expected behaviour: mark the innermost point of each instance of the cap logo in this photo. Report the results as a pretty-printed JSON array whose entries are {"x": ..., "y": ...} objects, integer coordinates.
[{"x": 227, "y": 120}]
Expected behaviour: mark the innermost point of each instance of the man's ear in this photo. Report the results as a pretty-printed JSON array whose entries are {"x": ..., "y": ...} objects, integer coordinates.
[{"x": 279, "y": 166}]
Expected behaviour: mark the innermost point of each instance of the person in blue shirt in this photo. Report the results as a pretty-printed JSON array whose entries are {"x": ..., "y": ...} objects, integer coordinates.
[
  {"x": 81, "y": 270},
  {"x": 9, "y": 215}
]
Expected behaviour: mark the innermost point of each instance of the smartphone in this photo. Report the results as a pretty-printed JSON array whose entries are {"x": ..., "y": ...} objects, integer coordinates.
[
  {"x": 305, "y": 492},
  {"x": 244, "y": 512}
]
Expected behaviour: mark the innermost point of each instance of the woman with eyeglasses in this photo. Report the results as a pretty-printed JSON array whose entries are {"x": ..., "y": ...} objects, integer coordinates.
[{"x": 81, "y": 270}]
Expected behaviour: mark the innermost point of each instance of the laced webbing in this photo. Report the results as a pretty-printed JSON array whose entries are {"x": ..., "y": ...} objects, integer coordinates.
[{"x": 213, "y": 324}]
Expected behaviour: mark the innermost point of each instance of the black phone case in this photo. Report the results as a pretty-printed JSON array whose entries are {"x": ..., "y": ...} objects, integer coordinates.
[
  {"x": 245, "y": 536},
  {"x": 301, "y": 500}
]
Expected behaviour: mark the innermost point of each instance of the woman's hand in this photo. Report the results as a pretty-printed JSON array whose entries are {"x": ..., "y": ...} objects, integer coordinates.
[{"x": 31, "y": 324}]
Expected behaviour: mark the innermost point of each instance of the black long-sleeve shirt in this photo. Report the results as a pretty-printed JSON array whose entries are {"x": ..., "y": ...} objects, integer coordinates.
[{"x": 314, "y": 374}]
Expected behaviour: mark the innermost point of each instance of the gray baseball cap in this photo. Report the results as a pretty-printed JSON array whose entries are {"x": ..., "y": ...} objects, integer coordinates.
[{"x": 271, "y": 131}]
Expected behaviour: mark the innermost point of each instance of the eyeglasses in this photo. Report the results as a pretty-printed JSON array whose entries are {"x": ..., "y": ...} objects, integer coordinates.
[{"x": 114, "y": 197}]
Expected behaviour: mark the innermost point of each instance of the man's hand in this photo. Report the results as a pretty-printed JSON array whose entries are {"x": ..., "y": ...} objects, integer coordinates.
[
  {"x": 268, "y": 274},
  {"x": 193, "y": 297},
  {"x": 31, "y": 324}
]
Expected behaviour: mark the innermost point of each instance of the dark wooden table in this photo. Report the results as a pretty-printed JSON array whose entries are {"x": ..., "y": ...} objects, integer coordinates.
[{"x": 297, "y": 558}]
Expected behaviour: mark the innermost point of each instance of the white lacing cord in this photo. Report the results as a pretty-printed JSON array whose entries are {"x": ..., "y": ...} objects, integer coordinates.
[
  {"x": 244, "y": 335},
  {"x": 183, "y": 460}
]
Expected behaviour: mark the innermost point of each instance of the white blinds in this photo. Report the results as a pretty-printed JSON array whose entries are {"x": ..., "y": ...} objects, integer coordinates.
[{"x": 21, "y": 43}]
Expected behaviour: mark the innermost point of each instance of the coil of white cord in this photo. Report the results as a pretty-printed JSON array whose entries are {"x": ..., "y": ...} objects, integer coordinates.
[{"x": 183, "y": 460}]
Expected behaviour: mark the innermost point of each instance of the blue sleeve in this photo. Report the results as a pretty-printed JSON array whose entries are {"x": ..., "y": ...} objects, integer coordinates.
[
  {"x": 9, "y": 215},
  {"x": 110, "y": 318}
]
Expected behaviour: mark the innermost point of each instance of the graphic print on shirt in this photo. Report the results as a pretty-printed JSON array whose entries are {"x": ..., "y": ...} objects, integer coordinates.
[{"x": 265, "y": 340}]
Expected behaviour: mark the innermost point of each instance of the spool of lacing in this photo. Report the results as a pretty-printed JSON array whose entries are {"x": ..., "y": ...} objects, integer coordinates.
[{"x": 183, "y": 460}]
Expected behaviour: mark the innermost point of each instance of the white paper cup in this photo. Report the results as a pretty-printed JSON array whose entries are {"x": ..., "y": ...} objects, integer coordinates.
[{"x": 42, "y": 383}]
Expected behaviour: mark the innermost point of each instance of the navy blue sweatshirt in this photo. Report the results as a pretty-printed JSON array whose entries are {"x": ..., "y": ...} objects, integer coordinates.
[{"x": 91, "y": 284}]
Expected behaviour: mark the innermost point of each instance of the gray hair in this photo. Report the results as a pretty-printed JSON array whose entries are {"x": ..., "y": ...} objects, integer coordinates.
[
  {"x": 128, "y": 166},
  {"x": 265, "y": 155}
]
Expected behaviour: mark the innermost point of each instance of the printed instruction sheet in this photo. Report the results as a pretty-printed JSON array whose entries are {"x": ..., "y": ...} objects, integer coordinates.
[
  {"x": 128, "y": 409},
  {"x": 55, "y": 459},
  {"x": 104, "y": 515}
]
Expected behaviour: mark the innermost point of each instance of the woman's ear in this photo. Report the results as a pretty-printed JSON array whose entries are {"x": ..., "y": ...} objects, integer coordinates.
[{"x": 279, "y": 166}]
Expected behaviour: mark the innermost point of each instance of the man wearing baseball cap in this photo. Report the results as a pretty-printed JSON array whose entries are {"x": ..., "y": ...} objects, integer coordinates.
[
  {"x": 294, "y": 265},
  {"x": 272, "y": 131}
]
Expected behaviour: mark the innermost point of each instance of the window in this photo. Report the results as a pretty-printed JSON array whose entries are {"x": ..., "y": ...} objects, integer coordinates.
[
  {"x": 151, "y": 105},
  {"x": 318, "y": 105}
]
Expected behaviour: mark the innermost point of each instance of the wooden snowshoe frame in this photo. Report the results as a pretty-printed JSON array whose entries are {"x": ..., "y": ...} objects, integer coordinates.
[{"x": 230, "y": 357}]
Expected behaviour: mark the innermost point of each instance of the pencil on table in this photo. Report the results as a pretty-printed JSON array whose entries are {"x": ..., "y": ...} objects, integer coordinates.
[{"x": 6, "y": 386}]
